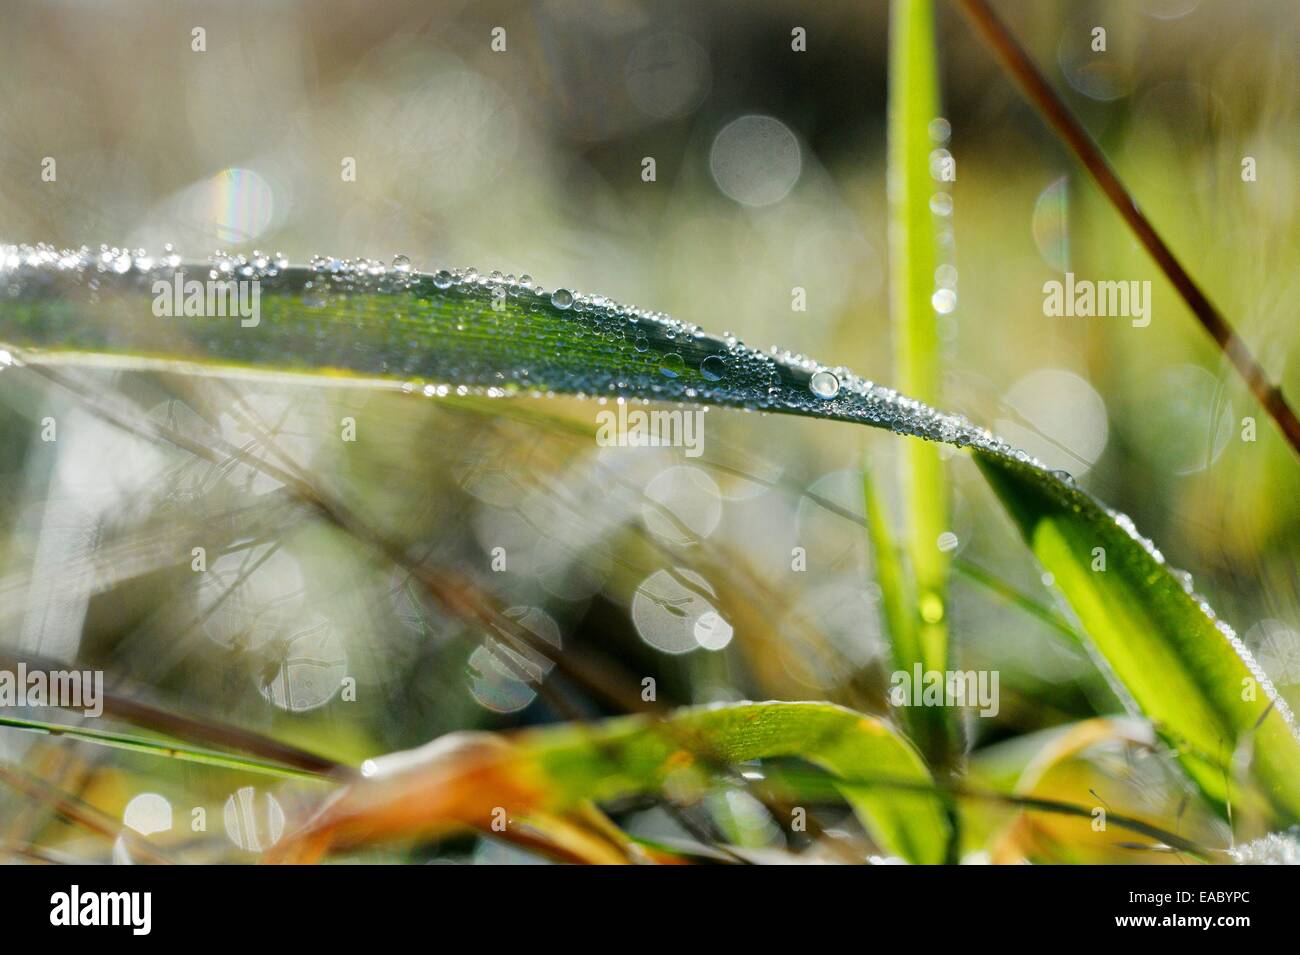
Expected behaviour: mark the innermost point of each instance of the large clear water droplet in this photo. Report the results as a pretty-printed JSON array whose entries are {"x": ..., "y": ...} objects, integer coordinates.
[
  {"x": 671, "y": 365},
  {"x": 713, "y": 368},
  {"x": 562, "y": 298},
  {"x": 824, "y": 385}
]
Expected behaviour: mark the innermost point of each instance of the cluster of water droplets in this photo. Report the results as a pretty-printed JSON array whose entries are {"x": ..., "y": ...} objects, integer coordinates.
[
  {"x": 944, "y": 297},
  {"x": 18, "y": 262}
]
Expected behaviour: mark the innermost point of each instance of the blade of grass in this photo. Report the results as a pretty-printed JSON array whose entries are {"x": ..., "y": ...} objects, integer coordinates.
[
  {"x": 1185, "y": 670},
  {"x": 126, "y": 703},
  {"x": 141, "y": 744},
  {"x": 897, "y": 596},
  {"x": 913, "y": 255}
]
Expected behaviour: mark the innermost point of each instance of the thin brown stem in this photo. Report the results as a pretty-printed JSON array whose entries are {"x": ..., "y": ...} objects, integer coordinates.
[{"x": 1034, "y": 85}]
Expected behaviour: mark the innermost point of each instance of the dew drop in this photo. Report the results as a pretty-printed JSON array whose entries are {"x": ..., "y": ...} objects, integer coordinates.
[
  {"x": 562, "y": 298},
  {"x": 442, "y": 279},
  {"x": 824, "y": 385},
  {"x": 713, "y": 368},
  {"x": 672, "y": 365},
  {"x": 401, "y": 263}
]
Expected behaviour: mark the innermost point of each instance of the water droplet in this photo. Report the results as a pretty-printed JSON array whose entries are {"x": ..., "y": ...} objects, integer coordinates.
[
  {"x": 562, "y": 298},
  {"x": 672, "y": 365},
  {"x": 401, "y": 263},
  {"x": 314, "y": 297},
  {"x": 442, "y": 279},
  {"x": 824, "y": 385},
  {"x": 713, "y": 368}
]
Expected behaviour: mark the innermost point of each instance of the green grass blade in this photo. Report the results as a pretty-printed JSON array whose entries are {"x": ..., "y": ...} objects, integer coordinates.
[
  {"x": 161, "y": 748},
  {"x": 434, "y": 334},
  {"x": 913, "y": 105},
  {"x": 898, "y": 604},
  {"x": 1184, "y": 669},
  {"x": 634, "y": 754}
]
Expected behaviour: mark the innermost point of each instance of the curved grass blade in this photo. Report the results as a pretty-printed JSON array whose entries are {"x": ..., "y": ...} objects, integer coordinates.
[
  {"x": 446, "y": 333},
  {"x": 464, "y": 333},
  {"x": 631, "y": 755},
  {"x": 555, "y": 771},
  {"x": 1187, "y": 671}
]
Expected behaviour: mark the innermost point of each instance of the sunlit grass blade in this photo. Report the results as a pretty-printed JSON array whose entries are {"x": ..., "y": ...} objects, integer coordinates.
[
  {"x": 431, "y": 334},
  {"x": 913, "y": 106},
  {"x": 554, "y": 771},
  {"x": 1186, "y": 671}
]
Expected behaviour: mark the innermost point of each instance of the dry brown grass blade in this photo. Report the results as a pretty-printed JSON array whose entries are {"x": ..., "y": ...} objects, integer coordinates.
[{"x": 460, "y": 782}]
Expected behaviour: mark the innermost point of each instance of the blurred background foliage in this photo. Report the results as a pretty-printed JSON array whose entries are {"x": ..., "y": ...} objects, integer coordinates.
[{"x": 638, "y": 563}]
